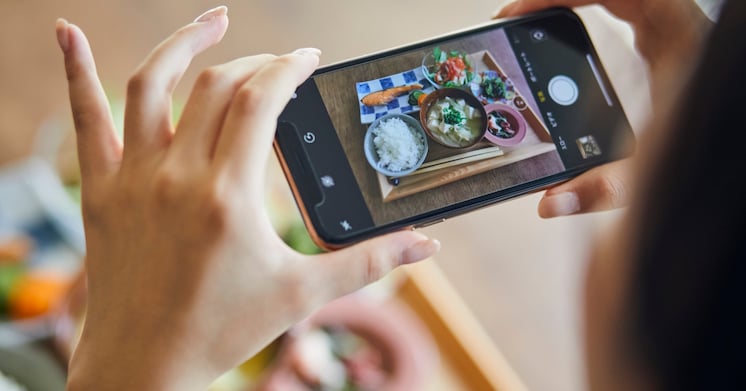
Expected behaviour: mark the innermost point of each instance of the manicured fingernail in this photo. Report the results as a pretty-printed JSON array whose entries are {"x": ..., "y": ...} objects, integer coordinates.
[
  {"x": 420, "y": 250},
  {"x": 63, "y": 35},
  {"x": 211, "y": 14},
  {"x": 308, "y": 52},
  {"x": 561, "y": 204}
]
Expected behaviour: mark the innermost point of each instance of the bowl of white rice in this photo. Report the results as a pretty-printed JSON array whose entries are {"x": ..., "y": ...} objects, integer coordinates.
[{"x": 395, "y": 145}]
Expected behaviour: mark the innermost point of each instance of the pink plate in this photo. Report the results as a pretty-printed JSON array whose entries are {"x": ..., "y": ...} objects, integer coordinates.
[{"x": 515, "y": 119}]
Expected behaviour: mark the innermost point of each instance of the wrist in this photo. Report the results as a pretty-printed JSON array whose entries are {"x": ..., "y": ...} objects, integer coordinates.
[{"x": 128, "y": 360}]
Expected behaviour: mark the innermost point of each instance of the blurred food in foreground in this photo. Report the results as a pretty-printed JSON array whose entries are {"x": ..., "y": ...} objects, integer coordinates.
[{"x": 355, "y": 343}]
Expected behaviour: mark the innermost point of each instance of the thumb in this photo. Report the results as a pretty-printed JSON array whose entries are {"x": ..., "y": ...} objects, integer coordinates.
[
  {"x": 602, "y": 188},
  {"x": 355, "y": 267}
]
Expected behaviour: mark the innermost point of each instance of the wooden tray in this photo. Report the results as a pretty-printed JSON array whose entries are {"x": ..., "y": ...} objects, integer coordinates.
[
  {"x": 469, "y": 358},
  {"x": 466, "y": 163}
]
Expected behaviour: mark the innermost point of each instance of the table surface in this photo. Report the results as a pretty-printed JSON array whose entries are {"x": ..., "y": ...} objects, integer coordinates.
[{"x": 524, "y": 288}]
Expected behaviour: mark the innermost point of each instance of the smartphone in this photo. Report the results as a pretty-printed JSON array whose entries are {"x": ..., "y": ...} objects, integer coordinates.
[{"x": 412, "y": 136}]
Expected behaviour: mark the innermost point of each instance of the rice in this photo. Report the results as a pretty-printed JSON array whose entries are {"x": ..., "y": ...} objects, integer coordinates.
[{"x": 399, "y": 147}]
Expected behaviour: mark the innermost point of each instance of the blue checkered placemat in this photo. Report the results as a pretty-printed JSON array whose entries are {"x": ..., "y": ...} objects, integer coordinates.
[{"x": 400, "y": 105}]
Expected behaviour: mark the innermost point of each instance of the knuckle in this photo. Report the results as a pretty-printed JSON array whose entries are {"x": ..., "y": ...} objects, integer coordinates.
[
  {"x": 210, "y": 77},
  {"x": 376, "y": 266},
  {"x": 165, "y": 187},
  {"x": 613, "y": 188},
  {"x": 283, "y": 61},
  {"x": 217, "y": 210},
  {"x": 250, "y": 100},
  {"x": 84, "y": 118},
  {"x": 138, "y": 84},
  {"x": 92, "y": 209},
  {"x": 74, "y": 70}
]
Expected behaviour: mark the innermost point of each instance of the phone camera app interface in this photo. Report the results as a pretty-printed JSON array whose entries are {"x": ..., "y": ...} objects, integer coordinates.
[{"x": 456, "y": 120}]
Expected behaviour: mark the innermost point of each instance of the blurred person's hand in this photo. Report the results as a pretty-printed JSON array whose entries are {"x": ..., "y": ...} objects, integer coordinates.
[
  {"x": 186, "y": 275},
  {"x": 668, "y": 35}
]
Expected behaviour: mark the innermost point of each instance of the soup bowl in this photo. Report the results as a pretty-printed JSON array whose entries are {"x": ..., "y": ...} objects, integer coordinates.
[{"x": 441, "y": 113}]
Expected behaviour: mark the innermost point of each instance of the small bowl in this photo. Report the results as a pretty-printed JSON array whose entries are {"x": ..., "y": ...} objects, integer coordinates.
[
  {"x": 429, "y": 66},
  {"x": 454, "y": 93},
  {"x": 515, "y": 119},
  {"x": 372, "y": 155}
]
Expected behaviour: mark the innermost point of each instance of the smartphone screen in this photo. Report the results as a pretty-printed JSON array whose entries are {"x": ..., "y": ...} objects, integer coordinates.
[{"x": 550, "y": 110}]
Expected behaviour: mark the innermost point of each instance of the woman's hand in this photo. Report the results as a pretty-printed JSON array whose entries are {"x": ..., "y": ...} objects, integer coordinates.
[
  {"x": 668, "y": 35},
  {"x": 602, "y": 188},
  {"x": 666, "y": 31},
  {"x": 186, "y": 275}
]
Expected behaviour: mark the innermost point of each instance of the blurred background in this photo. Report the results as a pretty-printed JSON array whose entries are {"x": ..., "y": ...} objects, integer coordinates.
[{"x": 519, "y": 275}]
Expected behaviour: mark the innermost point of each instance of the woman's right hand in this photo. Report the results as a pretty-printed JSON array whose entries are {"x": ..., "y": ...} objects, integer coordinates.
[
  {"x": 668, "y": 35},
  {"x": 667, "y": 32}
]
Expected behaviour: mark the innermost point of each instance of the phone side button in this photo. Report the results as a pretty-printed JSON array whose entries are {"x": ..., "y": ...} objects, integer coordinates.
[{"x": 429, "y": 223}]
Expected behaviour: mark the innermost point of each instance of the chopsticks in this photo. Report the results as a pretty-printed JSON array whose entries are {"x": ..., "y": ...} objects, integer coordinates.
[{"x": 456, "y": 160}]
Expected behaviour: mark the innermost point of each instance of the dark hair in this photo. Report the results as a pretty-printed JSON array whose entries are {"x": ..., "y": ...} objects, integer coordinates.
[{"x": 688, "y": 279}]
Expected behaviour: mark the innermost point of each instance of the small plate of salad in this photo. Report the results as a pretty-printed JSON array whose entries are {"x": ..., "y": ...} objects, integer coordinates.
[
  {"x": 493, "y": 87},
  {"x": 448, "y": 68}
]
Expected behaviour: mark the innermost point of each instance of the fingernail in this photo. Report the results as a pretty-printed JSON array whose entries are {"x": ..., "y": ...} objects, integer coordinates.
[
  {"x": 420, "y": 250},
  {"x": 211, "y": 14},
  {"x": 308, "y": 52},
  {"x": 561, "y": 204},
  {"x": 63, "y": 35}
]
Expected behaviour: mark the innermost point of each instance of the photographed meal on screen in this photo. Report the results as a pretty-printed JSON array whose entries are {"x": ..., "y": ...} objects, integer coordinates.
[
  {"x": 399, "y": 147},
  {"x": 494, "y": 87},
  {"x": 416, "y": 97},
  {"x": 498, "y": 125},
  {"x": 506, "y": 126},
  {"x": 385, "y": 97},
  {"x": 454, "y": 122},
  {"x": 448, "y": 68}
]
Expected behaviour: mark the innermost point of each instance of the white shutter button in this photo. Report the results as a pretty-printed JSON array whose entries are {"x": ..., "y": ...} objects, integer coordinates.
[{"x": 563, "y": 90}]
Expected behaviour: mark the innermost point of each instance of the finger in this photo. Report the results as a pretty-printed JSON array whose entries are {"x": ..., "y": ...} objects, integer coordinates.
[
  {"x": 246, "y": 138},
  {"x": 99, "y": 149},
  {"x": 521, "y": 7},
  {"x": 602, "y": 188},
  {"x": 350, "y": 269},
  {"x": 147, "y": 120},
  {"x": 204, "y": 112},
  {"x": 505, "y": 11}
]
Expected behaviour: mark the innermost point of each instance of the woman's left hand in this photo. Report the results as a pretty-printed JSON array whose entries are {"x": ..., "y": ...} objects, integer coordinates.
[{"x": 186, "y": 275}]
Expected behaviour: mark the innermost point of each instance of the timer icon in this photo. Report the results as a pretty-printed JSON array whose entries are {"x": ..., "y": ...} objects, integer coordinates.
[{"x": 309, "y": 138}]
